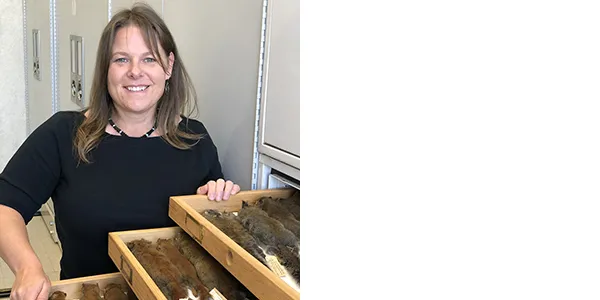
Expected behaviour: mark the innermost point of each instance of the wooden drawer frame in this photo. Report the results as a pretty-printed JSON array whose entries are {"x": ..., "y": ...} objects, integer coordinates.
[
  {"x": 260, "y": 280},
  {"x": 73, "y": 286}
]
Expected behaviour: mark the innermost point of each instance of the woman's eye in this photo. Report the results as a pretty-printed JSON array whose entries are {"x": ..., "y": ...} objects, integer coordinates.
[
  {"x": 149, "y": 59},
  {"x": 121, "y": 60}
]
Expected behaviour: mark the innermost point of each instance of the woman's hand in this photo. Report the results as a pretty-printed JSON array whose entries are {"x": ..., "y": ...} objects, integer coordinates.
[
  {"x": 29, "y": 284},
  {"x": 218, "y": 190}
]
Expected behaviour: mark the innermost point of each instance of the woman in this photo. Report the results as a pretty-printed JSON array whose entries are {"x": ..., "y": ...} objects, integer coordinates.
[{"x": 113, "y": 166}]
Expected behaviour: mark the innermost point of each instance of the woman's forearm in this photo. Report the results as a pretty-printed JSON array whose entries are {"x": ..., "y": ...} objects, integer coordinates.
[{"x": 15, "y": 248}]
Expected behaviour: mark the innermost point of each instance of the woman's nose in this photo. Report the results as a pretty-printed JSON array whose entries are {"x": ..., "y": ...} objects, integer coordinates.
[{"x": 135, "y": 71}]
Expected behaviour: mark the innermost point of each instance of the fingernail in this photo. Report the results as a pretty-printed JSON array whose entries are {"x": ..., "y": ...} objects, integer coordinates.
[{"x": 211, "y": 196}]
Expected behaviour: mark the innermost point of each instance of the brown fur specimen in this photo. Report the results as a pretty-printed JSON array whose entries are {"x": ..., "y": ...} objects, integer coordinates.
[
  {"x": 292, "y": 204},
  {"x": 209, "y": 270},
  {"x": 229, "y": 225},
  {"x": 289, "y": 258},
  {"x": 58, "y": 295},
  {"x": 264, "y": 228},
  {"x": 280, "y": 213},
  {"x": 166, "y": 276},
  {"x": 90, "y": 291},
  {"x": 114, "y": 291},
  {"x": 186, "y": 268}
]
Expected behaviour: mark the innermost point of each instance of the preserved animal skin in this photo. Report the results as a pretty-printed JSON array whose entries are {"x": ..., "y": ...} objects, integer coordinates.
[
  {"x": 229, "y": 225},
  {"x": 209, "y": 270}
]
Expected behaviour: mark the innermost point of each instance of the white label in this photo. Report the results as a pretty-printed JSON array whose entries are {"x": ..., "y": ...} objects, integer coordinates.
[
  {"x": 216, "y": 295},
  {"x": 74, "y": 7},
  {"x": 275, "y": 266}
]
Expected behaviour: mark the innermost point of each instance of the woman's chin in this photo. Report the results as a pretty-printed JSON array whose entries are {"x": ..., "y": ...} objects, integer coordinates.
[{"x": 137, "y": 107}]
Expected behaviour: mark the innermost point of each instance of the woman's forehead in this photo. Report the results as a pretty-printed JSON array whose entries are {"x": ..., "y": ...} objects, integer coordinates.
[{"x": 130, "y": 40}]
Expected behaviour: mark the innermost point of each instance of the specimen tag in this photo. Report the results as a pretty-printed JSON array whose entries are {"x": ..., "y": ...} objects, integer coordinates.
[{"x": 275, "y": 266}]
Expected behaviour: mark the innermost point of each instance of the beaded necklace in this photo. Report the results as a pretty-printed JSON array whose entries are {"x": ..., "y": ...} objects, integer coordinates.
[{"x": 122, "y": 133}]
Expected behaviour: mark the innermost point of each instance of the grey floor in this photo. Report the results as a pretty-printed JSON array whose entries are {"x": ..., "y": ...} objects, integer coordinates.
[{"x": 45, "y": 248}]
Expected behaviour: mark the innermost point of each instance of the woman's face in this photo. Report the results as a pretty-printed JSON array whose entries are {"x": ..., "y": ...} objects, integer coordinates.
[{"x": 136, "y": 81}]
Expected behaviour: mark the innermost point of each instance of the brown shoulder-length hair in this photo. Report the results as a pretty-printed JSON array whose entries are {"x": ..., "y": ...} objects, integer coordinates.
[{"x": 179, "y": 96}]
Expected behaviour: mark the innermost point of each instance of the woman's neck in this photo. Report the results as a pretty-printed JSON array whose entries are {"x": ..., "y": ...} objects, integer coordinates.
[{"x": 134, "y": 124}]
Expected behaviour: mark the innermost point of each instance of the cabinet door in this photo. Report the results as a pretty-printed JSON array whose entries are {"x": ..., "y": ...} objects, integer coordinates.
[
  {"x": 219, "y": 43},
  {"x": 280, "y": 103},
  {"x": 39, "y": 79},
  {"x": 85, "y": 19}
]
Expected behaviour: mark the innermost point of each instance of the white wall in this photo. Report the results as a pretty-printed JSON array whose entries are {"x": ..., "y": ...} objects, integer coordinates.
[{"x": 12, "y": 82}]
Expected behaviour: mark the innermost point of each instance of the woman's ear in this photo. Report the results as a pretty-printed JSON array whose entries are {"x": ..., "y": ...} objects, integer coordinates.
[{"x": 171, "y": 62}]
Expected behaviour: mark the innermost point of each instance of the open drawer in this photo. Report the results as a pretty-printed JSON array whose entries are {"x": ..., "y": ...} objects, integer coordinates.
[
  {"x": 72, "y": 287},
  {"x": 132, "y": 270},
  {"x": 259, "y": 279}
]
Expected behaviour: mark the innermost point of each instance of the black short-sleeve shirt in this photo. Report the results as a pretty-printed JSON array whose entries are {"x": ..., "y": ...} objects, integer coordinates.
[{"x": 127, "y": 186}]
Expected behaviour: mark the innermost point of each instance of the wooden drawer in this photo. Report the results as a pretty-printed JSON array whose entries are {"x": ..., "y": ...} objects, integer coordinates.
[
  {"x": 260, "y": 280},
  {"x": 134, "y": 274},
  {"x": 73, "y": 286}
]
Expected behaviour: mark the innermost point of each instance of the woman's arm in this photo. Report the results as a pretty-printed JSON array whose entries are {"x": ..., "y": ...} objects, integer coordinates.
[{"x": 16, "y": 251}]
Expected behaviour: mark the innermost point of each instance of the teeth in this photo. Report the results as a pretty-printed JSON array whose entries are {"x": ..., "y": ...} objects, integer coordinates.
[{"x": 136, "y": 88}]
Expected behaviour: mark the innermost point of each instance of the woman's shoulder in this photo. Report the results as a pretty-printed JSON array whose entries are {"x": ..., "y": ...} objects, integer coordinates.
[
  {"x": 62, "y": 121},
  {"x": 191, "y": 125},
  {"x": 67, "y": 116},
  {"x": 58, "y": 129}
]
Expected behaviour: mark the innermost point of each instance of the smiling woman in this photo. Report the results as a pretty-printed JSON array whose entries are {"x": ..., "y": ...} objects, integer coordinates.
[
  {"x": 114, "y": 165},
  {"x": 140, "y": 83},
  {"x": 136, "y": 79}
]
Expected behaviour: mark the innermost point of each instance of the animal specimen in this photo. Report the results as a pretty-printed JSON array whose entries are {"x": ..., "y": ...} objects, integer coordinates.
[
  {"x": 279, "y": 212},
  {"x": 114, "y": 291},
  {"x": 292, "y": 204},
  {"x": 166, "y": 276},
  {"x": 91, "y": 291},
  {"x": 289, "y": 258},
  {"x": 186, "y": 268},
  {"x": 209, "y": 270},
  {"x": 264, "y": 228},
  {"x": 58, "y": 295},
  {"x": 229, "y": 225}
]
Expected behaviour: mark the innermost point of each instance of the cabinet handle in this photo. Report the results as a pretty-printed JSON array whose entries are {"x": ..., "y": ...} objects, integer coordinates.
[
  {"x": 77, "y": 70},
  {"x": 36, "y": 53},
  {"x": 129, "y": 277}
]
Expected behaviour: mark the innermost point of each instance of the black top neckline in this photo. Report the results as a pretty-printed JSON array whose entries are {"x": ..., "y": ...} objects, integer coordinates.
[{"x": 143, "y": 137}]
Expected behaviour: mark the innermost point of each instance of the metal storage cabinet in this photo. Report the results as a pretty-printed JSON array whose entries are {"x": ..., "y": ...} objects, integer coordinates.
[
  {"x": 280, "y": 102},
  {"x": 84, "y": 19},
  {"x": 39, "y": 77},
  {"x": 279, "y": 130}
]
